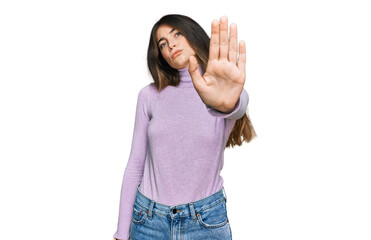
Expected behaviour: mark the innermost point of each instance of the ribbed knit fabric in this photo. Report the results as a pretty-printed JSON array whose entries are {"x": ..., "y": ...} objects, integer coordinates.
[{"x": 177, "y": 149}]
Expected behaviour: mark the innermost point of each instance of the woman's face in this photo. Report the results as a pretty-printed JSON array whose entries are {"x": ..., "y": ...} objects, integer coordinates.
[{"x": 174, "y": 47}]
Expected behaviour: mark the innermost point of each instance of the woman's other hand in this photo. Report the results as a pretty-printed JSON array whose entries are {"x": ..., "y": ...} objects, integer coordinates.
[{"x": 222, "y": 83}]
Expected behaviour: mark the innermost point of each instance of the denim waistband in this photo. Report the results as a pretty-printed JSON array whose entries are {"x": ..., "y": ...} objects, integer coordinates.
[{"x": 182, "y": 210}]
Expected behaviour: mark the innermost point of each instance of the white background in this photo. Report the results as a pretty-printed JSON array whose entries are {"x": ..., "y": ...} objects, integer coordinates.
[{"x": 70, "y": 73}]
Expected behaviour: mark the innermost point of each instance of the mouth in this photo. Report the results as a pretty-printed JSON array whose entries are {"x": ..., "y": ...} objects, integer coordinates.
[{"x": 176, "y": 53}]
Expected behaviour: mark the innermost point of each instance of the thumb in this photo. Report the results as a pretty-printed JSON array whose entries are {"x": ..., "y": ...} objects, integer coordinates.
[{"x": 197, "y": 79}]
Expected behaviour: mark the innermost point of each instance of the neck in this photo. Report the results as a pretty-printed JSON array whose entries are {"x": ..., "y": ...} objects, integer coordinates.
[{"x": 185, "y": 77}]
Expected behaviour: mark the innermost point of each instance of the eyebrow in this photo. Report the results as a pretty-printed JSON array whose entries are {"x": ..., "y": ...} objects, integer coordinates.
[{"x": 163, "y": 38}]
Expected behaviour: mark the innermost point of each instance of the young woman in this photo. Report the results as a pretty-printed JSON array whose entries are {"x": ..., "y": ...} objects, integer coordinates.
[{"x": 194, "y": 109}]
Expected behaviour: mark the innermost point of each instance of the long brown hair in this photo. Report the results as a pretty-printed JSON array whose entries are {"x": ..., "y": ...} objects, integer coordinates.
[{"x": 163, "y": 74}]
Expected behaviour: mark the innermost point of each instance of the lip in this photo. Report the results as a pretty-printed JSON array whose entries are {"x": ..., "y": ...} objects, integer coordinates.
[{"x": 176, "y": 53}]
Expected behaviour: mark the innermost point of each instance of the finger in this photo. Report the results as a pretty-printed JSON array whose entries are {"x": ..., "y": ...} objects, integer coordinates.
[
  {"x": 214, "y": 41},
  {"x": 223, "y": 38},
  {"x": 233, "y": 44},
  {"x": 193, "y": 70},
  {"x": 242, "y": 57}
]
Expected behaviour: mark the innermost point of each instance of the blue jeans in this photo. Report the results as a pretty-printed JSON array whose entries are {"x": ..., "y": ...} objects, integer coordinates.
[{"x": 204, "y": 219}]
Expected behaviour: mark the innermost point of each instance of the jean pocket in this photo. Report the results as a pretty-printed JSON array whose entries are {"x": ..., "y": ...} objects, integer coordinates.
[
  {"x": 215, "y": 216},
  {"x": 139, "y": 214}
]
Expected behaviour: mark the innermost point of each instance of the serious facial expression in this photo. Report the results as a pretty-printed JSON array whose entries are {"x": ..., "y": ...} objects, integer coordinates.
[{"x": 174, "y": 47}]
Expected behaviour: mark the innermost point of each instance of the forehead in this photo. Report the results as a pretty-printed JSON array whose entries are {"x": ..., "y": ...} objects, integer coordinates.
[{"x": 163, "y": 31}]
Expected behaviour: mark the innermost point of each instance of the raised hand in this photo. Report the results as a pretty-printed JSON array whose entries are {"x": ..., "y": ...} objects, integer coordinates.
[{"x": 223, "y": 81}]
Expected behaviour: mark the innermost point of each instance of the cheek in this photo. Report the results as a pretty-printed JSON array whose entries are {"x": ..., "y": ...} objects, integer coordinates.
[
  {"x": 166, "y": 57},
  {"x": 189, "y": 49}
]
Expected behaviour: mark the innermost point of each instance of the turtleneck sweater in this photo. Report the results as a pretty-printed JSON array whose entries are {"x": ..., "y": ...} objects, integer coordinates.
[{"x": 177, "y": 149}]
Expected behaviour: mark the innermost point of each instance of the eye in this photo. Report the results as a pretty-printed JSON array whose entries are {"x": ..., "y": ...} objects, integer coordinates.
[
  {"x": 161, "y": 45},
  {"x": 177, "y": 33}
]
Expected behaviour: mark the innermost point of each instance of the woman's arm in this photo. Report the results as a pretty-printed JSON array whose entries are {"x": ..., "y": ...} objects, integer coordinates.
[
  {"x": 237, "y": 112},
  {"x": 135, "y": 166}
]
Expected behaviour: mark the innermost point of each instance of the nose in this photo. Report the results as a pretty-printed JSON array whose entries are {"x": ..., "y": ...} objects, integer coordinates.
[{"x": 171, "y": 45}]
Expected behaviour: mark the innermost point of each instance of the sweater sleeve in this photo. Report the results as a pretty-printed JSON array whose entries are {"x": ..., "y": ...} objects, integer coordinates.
[
  {"x": 238, "y": 111},
  {"x": 135, "y": 166}
]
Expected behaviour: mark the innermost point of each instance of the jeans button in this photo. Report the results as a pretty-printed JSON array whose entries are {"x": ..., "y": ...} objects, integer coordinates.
[{"x": 174, "y": 210}]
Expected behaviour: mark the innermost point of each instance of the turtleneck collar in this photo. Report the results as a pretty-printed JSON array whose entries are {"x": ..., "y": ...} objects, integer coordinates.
[{"x": 185, "y": 77}]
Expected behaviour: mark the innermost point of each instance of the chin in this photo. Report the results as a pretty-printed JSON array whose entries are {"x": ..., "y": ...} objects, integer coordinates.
[{"x": 183, "y": 65}]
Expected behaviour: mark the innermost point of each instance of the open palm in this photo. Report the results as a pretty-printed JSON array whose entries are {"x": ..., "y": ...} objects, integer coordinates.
[{"x": 223, "y": 81}]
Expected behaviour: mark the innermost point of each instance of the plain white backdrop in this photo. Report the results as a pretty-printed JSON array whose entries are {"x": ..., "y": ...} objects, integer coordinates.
[{"x": 70, "y": 73}]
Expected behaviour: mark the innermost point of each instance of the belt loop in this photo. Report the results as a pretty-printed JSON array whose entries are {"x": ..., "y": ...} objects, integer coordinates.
[
  {"x": 193, "y": 213},
  {"x": 225, "y": 195},
  {"x": 150, "y": 209}
]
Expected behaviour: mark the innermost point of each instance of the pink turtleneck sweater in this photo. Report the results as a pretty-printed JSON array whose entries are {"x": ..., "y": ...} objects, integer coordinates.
[{"x": 177, "y": 149}]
